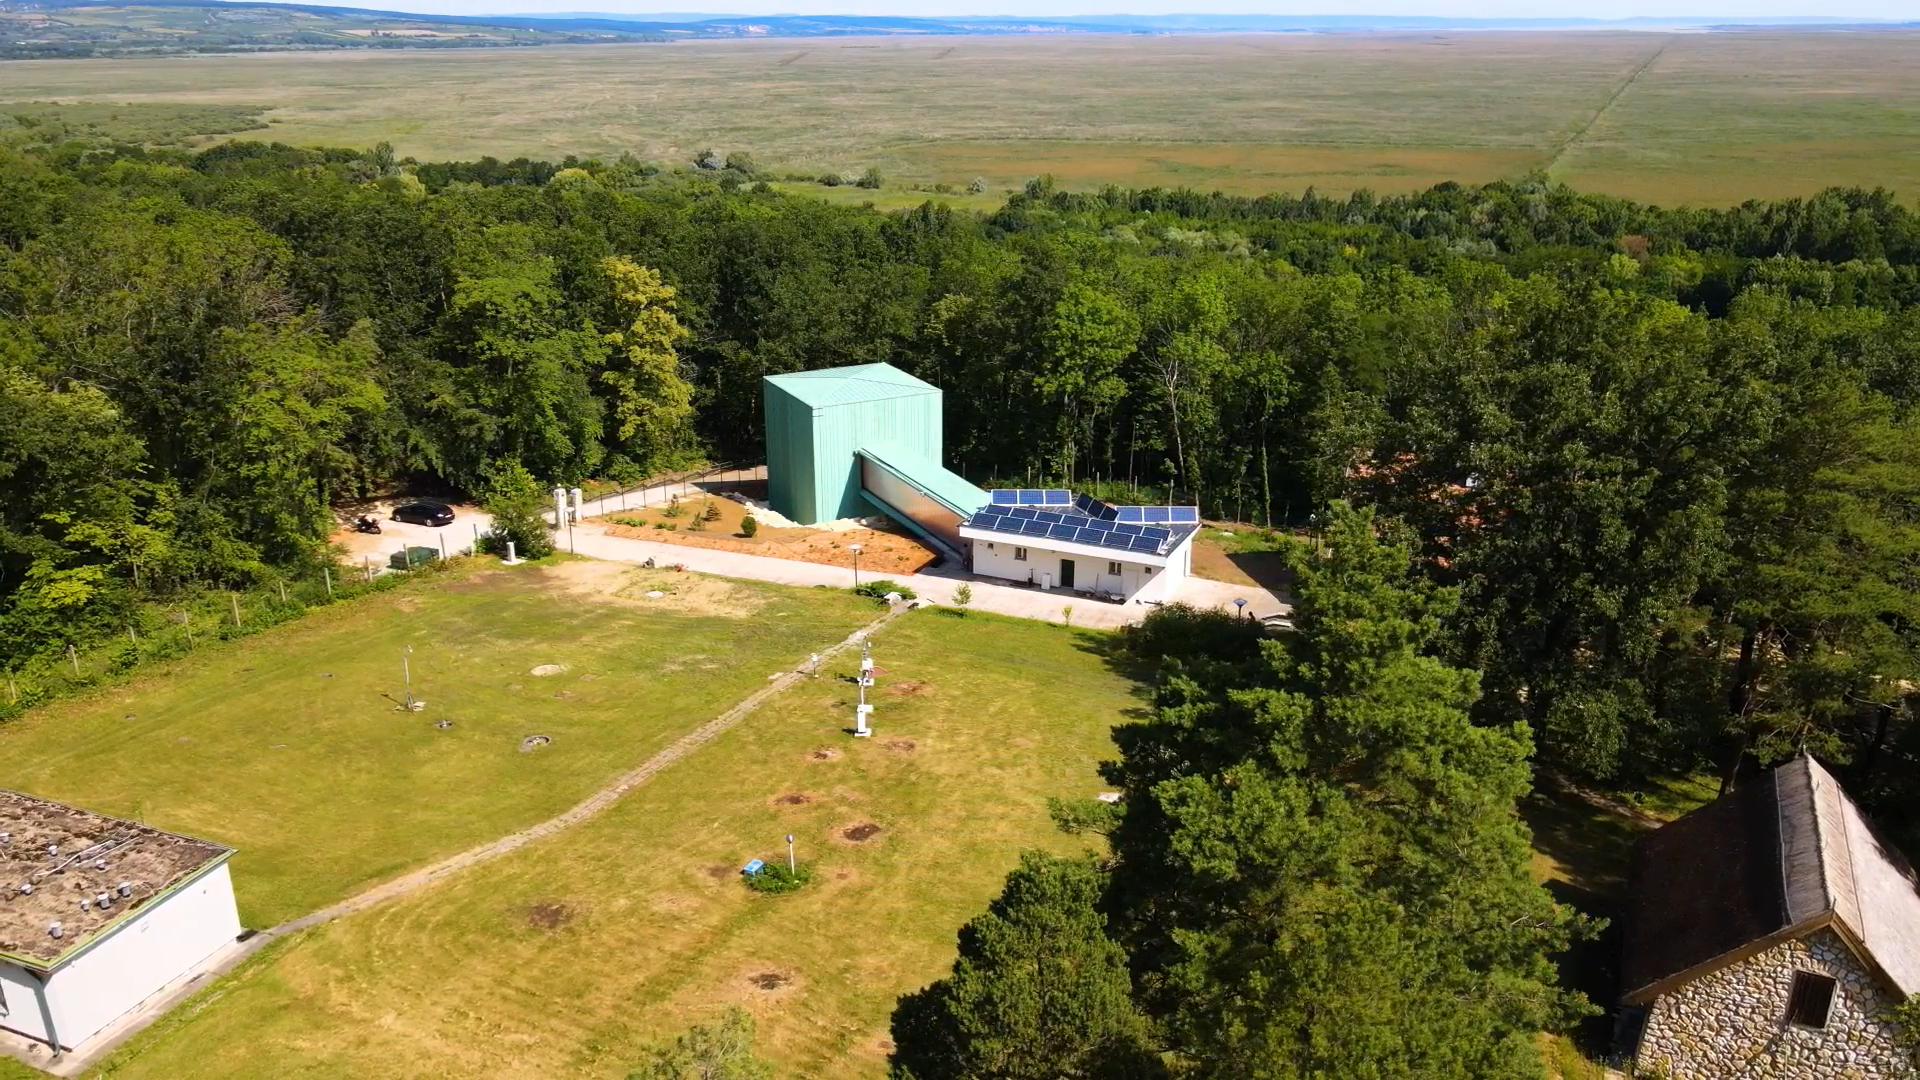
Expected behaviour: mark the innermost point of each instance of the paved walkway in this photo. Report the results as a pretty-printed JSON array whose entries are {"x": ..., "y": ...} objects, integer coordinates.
[{"x": 73, "y": 1064}]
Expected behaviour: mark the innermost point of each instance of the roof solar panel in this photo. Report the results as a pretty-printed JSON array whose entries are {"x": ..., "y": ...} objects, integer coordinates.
[
  {"x": 1033, "y": 528},
  {"x": 1060, "y": 532},
  {"x": 1128, "y": 513},
  {"x": 1184, "y": 515},
  {"x": 1058, "y": 497},
  {"x": 1004, "y": 497},
  {"x": 1093, "y": 536}
]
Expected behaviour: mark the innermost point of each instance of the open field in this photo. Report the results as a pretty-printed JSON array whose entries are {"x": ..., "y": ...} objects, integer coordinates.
[
  {"x": 1695, "y": 118},
  {"x": 289, "y": 746},
  {"x": 564, "y": 958}
]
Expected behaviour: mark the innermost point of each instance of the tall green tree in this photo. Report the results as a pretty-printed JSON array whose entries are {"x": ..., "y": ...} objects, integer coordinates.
[
  {"x": 652, "y": 405},
  {"x": 1087, "y": 336},
  {"x": 1038, "y": 992},
  {"x": 1320, "y": 870}
]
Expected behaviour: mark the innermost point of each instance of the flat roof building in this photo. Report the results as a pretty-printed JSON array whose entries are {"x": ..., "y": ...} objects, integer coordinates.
[{"x": 97, "y": 914}]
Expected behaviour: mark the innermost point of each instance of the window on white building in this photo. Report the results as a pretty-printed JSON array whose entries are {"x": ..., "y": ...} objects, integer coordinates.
[
  {"x": 1811, "y": 999},
  {"x": 1113, "y": 568},
  {"x": 1020, "y": 554}
]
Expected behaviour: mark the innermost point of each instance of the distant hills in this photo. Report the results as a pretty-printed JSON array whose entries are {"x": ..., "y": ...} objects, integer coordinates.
[{"x": 39, "y": 29}]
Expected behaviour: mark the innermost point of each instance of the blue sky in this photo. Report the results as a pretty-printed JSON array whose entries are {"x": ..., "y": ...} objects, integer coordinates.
[{"x": 1497, "y": 9}]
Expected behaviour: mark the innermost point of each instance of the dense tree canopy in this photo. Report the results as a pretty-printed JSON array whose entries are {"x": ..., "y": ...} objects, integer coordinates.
[{"x": 1663, "y": 455}]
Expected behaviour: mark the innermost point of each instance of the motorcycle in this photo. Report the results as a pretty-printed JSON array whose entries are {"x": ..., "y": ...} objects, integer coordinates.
[{"x": 365, "y": 524}]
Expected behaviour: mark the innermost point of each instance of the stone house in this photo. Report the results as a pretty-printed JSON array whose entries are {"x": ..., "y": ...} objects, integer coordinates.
[{"x": 1768, "y": 934}]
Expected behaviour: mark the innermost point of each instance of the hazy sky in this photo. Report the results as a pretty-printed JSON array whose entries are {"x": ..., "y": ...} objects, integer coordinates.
[{"x": 1601, "y": 9}]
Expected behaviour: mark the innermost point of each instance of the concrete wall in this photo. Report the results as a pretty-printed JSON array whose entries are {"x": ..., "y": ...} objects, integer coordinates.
[
  {"x": 995, "y": 558},
  {"x": 142, "y": 955},
  {"x": 20, "y": 1006},
  {"x": 1733, "y": 1023}
]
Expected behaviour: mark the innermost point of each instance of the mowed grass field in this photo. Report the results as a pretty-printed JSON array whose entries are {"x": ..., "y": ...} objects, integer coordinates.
[
  {"x": 567, "y": 957},
  {"x": 1674, "y": 118},
  {"x": 290, "y": 747}
]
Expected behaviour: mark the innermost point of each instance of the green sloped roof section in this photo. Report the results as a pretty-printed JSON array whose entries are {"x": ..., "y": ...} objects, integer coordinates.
[
  {"x": 828, "y": 387},
  {"x": 933, "y": 479}
]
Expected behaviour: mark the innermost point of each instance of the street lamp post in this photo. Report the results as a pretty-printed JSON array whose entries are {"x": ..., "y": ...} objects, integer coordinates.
[
  {"x": 791, "y": 868},
  {"x": 855, "y": 548}
]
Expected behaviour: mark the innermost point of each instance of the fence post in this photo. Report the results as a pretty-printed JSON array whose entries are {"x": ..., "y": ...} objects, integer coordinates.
[
  {"x": 189, "y": 625},
  {"x": 327, "y": 576},
  {"x": 133, "y": 637},
  {"x": 366, "y": 563},
  {"x": 443, "y": 547},
  {"x": 234, "y": 600},
  {"x": 283, "y": 591},
  {"x": 13, "y": 694},
  {"x": 73, "y": 657}
]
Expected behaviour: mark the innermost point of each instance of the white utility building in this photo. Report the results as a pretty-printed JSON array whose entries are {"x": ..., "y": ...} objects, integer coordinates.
[
  {"x": 1054, "y": 539},
  {"x": 99, "y": 914}
]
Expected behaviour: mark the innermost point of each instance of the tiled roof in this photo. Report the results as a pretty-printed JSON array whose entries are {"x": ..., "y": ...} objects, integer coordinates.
[{"x": 1788, "y": 850}]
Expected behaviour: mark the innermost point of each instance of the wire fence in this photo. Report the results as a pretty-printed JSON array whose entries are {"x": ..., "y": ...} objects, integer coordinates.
[
  {"x": 659, "y": 490},
  {"x": 157, "y": 630}
]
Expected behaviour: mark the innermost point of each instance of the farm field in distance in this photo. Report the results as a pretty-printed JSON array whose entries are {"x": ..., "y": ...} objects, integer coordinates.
[
  {"x": 1672, "y": 118},
  {"x": 568, "y": 956}
]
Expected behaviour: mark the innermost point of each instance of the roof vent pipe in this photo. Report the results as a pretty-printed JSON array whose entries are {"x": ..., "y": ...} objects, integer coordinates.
[{"x": 55, "y": 929}]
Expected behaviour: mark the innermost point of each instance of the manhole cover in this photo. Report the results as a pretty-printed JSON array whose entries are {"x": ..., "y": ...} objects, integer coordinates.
[{"x": 534, "y": 742}]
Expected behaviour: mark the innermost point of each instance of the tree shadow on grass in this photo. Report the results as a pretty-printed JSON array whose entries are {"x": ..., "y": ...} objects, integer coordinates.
[{"x": 1583, "y": 851}]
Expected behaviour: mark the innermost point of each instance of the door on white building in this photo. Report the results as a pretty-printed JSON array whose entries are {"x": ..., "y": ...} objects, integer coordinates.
[{"x": 1066, "y": 573}]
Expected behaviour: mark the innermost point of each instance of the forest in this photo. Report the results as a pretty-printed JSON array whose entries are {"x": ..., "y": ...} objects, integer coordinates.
[{"x": 1651, "y": 473}]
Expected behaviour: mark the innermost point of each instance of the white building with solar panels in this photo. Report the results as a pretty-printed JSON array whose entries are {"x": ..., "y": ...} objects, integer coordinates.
[
  {"x": 852, "y": 440},
  {"x": 1054, "y": 539}
]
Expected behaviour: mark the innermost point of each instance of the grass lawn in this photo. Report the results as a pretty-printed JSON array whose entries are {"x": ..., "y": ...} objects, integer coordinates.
[
  {"x": 290, "y": 745},
  {"x": 566, "y": 957}
]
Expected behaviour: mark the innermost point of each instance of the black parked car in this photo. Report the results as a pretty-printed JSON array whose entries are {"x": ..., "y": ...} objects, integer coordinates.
[{"x": 424, "y": 512}]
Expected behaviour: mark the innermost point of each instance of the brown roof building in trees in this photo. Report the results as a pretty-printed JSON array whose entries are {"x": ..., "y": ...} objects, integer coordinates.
[{"x": 1770, "y": 933}]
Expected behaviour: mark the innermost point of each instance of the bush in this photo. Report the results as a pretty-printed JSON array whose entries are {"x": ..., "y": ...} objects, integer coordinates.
[
  {"x": 963, "y": 596},
  {"x": 869, "y": 179},
  {"x": 712, "y": 512},
  {"x": 748, "y": 526},
  {"x": 514, "y": 499},
  {"x": 830, "y": 179},
  {"x": 775, "y": 878},
  {"x": 879, "y": 589},
  {"x": 978, "y": 185},
  {"x": 673, "y": 508}
]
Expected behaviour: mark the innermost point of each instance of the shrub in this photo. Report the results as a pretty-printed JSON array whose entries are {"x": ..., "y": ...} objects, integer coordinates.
[
  {"x": 673, "y": 508},
  {"x": 978, "y": 185},
  {"x": 879, "y": 589},
  {"x": 775, "y": 878},
  {"x": 748, "y": 526},
  {"x": 869, "y": 179},
  {"x": 712, "y": 512},
  {"x": 963, "y": 596},
  {"x": 514, "y": 500},
  {"x": 830, "y": 179}
]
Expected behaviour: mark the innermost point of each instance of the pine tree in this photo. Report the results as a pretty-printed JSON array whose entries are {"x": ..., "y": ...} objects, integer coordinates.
[
  {"x": 1321, "y": 871},
  {"x": 1038, "y": 991}
]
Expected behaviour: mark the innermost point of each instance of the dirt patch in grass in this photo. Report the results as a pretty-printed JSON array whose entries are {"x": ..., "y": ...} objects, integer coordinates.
[
  {"x": 823, "y": 754},
  {"x": 680, "y": 591},
  {"x": 885, "y": 551},
  {"x": 549, "y": 915},
  {"x": 719, "y": 871},
  {"x": 860, "y": 833},
  {"x": 794, "y": 798},
  {"x": 902, "y": 746},
  {"x": 911, "y": 688},
  {"x": 770, "y": 981}
]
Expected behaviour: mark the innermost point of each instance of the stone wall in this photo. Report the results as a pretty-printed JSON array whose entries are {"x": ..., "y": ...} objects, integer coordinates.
[{"x": 1732, "y": 1024}]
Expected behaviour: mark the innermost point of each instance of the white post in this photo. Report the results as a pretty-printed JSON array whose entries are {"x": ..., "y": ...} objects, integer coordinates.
[
  {"x": 791, "y": 868},
  {"x": 559, "y": 507},
  {"x": 511, "y": 560},
  {"x": 579, "y": 505},
  {"x": 443, "y": 547}
]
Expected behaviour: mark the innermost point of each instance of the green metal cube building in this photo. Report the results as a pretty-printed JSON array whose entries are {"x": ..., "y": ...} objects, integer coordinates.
[{"x": 843, "y": 442}]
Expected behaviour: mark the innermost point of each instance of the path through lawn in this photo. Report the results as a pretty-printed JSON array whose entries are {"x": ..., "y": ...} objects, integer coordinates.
[{"x": 565, "y": 957}]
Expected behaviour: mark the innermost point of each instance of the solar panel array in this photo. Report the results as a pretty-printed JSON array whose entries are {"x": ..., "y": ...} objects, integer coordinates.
[
  {"x": 1079, "y": 528},
  {"x": 1167, "y": 515},
  {"x": 1031, "y": 497}
]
